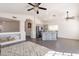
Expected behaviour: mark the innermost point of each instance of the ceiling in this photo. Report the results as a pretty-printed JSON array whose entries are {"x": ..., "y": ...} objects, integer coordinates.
[{"x": 52, "y": 9}]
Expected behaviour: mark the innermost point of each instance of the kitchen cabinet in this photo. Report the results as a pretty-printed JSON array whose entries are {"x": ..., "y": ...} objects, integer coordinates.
[{"x": 49, "y": 35}]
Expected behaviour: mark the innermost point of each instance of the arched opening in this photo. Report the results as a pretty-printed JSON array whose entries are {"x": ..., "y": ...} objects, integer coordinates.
[{"x": 28, "y": 28}]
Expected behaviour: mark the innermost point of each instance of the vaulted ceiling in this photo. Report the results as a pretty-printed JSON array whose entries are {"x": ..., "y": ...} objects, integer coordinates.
[{"x": 53, "y": 9}]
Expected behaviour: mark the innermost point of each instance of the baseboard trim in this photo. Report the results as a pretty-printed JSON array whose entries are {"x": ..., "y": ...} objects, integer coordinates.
[{"x": 67, "y": 38}]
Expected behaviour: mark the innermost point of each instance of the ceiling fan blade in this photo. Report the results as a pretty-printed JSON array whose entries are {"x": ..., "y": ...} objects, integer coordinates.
[
  {"x": 30, "y": 9},
  {"x": 31, "y": 4},
  {"x": 37, "y": 12},
  {"x": 42, "y": 8}
]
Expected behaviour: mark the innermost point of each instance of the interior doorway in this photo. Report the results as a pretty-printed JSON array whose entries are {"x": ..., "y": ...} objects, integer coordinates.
[
  {"x": 39, "y": 30},
  {"x": 28, "y": 28}
]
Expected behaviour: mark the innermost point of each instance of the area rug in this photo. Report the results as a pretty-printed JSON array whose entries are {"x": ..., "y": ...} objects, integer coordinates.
[
  {"x": 31, "y": 49},
  {"x": 24, "y": 49}
]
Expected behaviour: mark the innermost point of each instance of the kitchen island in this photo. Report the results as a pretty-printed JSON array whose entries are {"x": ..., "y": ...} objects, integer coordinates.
[{"x": 49, "y": 35}]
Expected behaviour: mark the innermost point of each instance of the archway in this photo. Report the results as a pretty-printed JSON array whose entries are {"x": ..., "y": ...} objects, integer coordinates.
[{"x": 28, "y": 28}]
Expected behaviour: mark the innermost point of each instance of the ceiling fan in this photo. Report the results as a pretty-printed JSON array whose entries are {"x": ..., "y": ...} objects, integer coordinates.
[{"x": 36, "y": 7}]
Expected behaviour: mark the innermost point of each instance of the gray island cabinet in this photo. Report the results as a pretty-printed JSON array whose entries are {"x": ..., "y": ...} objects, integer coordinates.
[{"x": 49, "y": 35}]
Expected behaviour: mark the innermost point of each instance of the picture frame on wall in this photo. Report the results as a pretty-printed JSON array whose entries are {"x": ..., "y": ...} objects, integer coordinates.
[{"x": 29, "y": 25}]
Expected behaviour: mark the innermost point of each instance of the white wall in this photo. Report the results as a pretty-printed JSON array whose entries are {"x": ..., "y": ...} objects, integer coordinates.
[
  {"x": 67, "y": 29},
  {"x": 22, "y": 18}
]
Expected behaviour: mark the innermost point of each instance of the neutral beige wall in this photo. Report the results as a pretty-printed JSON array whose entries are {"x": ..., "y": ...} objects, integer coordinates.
[{"x": 12, "y": 26}]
